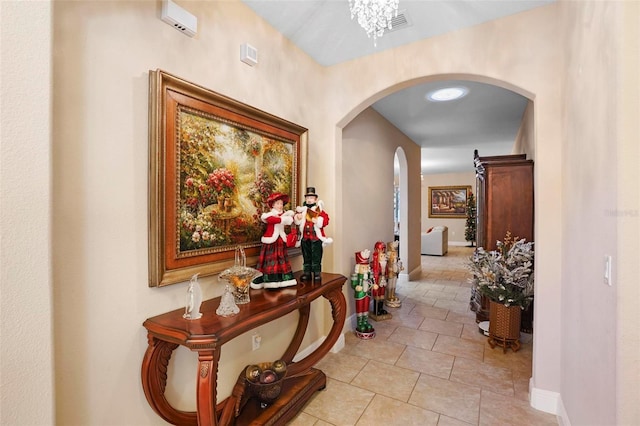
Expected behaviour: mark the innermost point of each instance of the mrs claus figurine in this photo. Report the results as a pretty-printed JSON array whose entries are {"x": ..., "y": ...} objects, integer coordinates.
[
  {"x": 311, "y": 218},
  {"x": 274, "y": 262}
]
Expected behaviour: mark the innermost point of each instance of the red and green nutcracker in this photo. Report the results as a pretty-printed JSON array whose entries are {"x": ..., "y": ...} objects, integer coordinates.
[{"x": 361, "y": 284}]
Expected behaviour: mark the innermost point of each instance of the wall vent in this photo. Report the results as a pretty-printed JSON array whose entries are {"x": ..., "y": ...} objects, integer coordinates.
[
  {"x": 399, "y": 22},
  {"x": 249, "y": 54}
]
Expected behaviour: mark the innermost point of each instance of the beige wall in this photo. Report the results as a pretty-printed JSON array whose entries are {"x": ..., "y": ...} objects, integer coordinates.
[
  {"x": 601, "y": 213},
  {"x": 102, "y": 52},
  {"x": 456, "y": 226},
  {"x": 26, "y": 335},
  {"x": 525, "y": 142},
  {"x": 369, "y": 144}
]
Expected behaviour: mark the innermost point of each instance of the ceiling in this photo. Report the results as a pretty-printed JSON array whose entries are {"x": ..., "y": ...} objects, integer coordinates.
[{"x": 487, "y": 118}]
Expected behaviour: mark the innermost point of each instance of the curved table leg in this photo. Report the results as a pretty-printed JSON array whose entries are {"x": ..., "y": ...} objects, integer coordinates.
[
  {"x": 296, "y": 341},
  {"x": 154, "y": 382},
  {"x": 206, "y": 392},
  {"x": 338, "y": 312}
]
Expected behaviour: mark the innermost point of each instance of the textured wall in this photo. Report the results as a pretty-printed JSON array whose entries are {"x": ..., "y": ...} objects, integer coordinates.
[{"x": 26, "y": 363}]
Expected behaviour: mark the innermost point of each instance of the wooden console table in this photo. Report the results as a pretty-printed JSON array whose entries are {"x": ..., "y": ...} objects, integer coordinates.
[{"x": 206, "y": 337}]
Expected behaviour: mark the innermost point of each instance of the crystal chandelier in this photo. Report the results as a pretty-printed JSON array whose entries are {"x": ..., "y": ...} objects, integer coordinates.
[{"x": 374, "y": 15}]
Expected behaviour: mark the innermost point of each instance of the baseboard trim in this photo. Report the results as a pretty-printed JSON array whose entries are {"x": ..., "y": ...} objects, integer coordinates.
[
  {"x": 543, "y": 400},
  {"x": 337, "y": 347},
  {"x": 415, "y": 274},
  {"x": 460, "y": 243},
  {"x": 563, "y": 417},
  {"x": 349, "y": 325}
]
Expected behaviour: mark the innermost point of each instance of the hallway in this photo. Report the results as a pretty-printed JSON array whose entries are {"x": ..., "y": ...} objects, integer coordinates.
[{"x": 428, "y": 365}]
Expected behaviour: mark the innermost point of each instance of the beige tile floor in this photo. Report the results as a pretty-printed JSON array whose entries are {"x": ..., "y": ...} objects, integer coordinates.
[{"x": 428, "y": 365}]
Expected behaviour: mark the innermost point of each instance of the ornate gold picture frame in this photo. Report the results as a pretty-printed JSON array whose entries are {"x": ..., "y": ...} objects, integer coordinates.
[
  {"x": 213, "y": 163},
  {"x": 448, "y": 202}
]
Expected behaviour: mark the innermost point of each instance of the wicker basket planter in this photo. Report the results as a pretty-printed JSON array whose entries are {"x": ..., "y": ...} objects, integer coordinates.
[{"x": 504, "y": 326}]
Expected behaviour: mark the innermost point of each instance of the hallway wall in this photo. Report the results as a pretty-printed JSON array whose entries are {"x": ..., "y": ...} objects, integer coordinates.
[
  {"x": 368, "y": 148},
  {"x": 101, "y": 58},
  {"x": 456, "y": 227},
  {"x": 26, "y": 300},
  {"x": 601, "y": 213}
]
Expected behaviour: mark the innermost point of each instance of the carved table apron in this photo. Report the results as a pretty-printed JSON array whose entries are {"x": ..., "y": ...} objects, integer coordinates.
[{"x": 207, "y": 335}]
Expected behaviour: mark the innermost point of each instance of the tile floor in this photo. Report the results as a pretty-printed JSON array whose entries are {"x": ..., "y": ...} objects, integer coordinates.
[{"x": 428, "y": 365}]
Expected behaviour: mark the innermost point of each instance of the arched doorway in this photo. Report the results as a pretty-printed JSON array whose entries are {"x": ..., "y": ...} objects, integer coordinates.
[
  {"x": 413, "y": 223},
  {"x": 401, "y": 204},
  {"x": 409, "y": 234}
]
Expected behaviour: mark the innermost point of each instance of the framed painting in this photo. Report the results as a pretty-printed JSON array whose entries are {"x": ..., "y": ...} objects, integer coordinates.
[
  {"x": 213, "y": 163},
  {"x": 448, "y": 202}
]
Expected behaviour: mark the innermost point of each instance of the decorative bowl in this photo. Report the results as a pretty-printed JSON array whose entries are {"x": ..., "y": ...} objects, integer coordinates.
[{"x": 264, "y": 380}]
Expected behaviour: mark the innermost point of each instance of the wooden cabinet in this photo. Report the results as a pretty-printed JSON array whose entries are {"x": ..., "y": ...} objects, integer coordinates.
[{"x": 504, "y": 192}]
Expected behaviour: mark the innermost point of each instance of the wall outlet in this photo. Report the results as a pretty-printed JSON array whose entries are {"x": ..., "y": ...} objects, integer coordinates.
[{"x": 256, "y": 339}]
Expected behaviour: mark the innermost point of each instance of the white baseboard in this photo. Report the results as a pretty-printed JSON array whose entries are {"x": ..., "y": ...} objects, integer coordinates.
[
  {"x": 459, "y": 243},
  {"x": 337, "y": 347},
  {"x": 563, "y": 417},
  {"x": 543, "y": 400}
]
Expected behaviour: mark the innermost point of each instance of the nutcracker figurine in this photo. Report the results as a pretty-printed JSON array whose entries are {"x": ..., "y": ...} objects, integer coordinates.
[
  {"x": 394, "y": 266},
  {"x": 361, "y": 284},
  {"x": 379, "y": 267}
]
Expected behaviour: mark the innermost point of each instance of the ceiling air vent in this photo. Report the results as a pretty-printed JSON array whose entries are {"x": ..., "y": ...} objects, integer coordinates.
[{"x": 399, "y": 22}]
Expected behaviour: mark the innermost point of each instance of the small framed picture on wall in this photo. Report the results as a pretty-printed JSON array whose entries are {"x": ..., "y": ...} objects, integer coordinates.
[{"x": 448, "y": 201}]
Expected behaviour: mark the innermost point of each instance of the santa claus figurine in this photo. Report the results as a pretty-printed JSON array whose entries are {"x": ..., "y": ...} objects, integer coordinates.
[
  {"x": 311, "y": 218},
  {"x": 274, "y": 262}
]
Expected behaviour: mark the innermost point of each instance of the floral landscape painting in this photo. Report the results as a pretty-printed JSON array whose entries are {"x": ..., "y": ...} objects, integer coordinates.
[
  {"x": 213, "y": 162},
  {"x": 226, "y": 174}
]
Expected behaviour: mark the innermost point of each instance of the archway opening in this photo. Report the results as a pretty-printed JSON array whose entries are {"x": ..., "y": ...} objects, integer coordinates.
[{"x": 401, "y": 202}]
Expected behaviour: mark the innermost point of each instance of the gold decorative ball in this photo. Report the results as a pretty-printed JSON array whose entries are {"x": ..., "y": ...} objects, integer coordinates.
[
  {"x": 280, "y": 367},
  {"x": 252, "y": 373}
]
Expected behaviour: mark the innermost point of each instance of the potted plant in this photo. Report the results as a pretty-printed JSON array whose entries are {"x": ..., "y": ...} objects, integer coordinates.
[{"x": 506, "y": 277}]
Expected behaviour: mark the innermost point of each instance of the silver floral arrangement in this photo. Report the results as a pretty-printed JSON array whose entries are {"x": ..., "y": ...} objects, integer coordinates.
[{"x": 505, "y": 275}]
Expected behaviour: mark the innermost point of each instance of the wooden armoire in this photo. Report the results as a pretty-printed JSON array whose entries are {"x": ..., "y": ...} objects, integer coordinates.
[{"x": 504, "y": 194}]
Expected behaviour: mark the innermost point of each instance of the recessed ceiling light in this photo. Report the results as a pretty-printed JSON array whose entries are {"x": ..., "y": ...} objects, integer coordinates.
[{"x": 447, "y": 94}]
